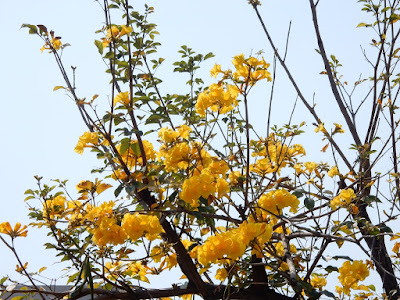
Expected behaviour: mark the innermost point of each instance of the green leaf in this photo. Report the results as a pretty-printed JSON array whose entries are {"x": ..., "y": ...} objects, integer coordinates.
[
  {"x": 109, "y": 55},
  {"x": 371, "y": 287},
  {"x": 32, "y": 28},
  {"x": 2, "y": 280},
  {"x": 172, "y": 196},
  {"x": 309, "y": 203},
  {"x": 298, "y": 194},
  {"x": 208, "y": 55},
  {"x": 155, "y": 118},
  {"x": 118, "y": 190},
  {"x": 135, "y": 148},
  {"x": 29, "y": 197},
  {"x": 124, "y": 145},
  {"x": 329, "y": 294},
  {"x": 331, "y": 269},
  {"x": 383, "y": 228},
  {"x": 336, "y": 257},
  {"x": 72, "y": 277},
  {"x": 99, "y": 46}
]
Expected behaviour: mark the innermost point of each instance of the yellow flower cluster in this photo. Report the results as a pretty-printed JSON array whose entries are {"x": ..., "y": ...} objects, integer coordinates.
[
  {"x": 106, "y": 230},
  {"x": 132, "y": 156},
  {"x": 116, "y": 269},
  {"x": 310, "y": 166},
  {"x": 6, "y": 228},
  {"x": 280, "y": 250},
  {"x": 250, "y": 69},
  {"x": 75, "y": 212},
  {"x": 233, "y": 243},
  {"x": 53, "y": 208},
  {"x": 86, "y": 186},
  {"x": 343, "y": 199},
  {"x": 104, "y": 225},
  {"x": 221, "y": 274},
  {"x": 276, "y": 155},
  {"x": 209, "y": 181},
  {"x": 217, "y": 98},
  {"x": 85, "y": 140},
  {"x": 115, "y": 32},
  {"x": 181, "y": 156},
  {"x": 137, "y": 269},
  {"x": 54, "y": 43},
  {"x": 162, "y": 254},
  {"x": 171, "y": 136},
  {"x": 275, "y": 201},
  {"x": 351, "y": 273},
  {"x": 137, "y": 225},
  {"x": 208, "y": 173},
  {"x": 234, "y": 177},
  {"x": 334, "y": 171},
  {"x": 318, "y": 282}
]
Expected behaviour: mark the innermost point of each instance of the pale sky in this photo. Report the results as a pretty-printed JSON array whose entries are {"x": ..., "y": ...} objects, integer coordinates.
[{"x": 41, "y": 127}]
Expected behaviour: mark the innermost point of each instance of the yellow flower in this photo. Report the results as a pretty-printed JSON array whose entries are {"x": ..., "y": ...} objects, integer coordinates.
[
  {"x": 171, "y": 261},
  {"x": 197, "y": 186},
  {"x": 54, "y": 43},
  {"x": 318, "y": 282},
  {"x": 222, "y": 187},
  {"x": 215, "y": 70},
  {"x": 221, "y": 274},
  {"x": 54, "y": 207},
  {"x": 87, "y": 186},
  {"x": 250, "y": 69},
  {"x": 85, "y": 140},
  {"x": 20, "y": 269},
  {"x": 396, "y": 247},
  {"x": 276, "y": 155},
  {"x": 338, "y": 128},
  {"x": 233, "y": 243},
  {"x": 218, "y": 166},
  {"x": 137, "y": 268},
  {"x": 234, "y": 177},
  {"x": 217, "y": 98},
  {"x": 122, "y": 98},
  {"x": 125, "y": 30},
  {"x": 343, "y": 199},
  {"x": 84, "y": 185},
  {"x": 184, "y": 131},
  {"x": 351, "y": 273},
  {"x": 106, "y": 231},
  {"x": 334, "y": 171},
  {"x": 181, "y": 155},
  {"x": 104, "y": 225},
  {"x": 112, "y": 32},
  {"x": 169, "y": 136},
  {"x": 321, "y": 128},
  {"x": 298, "y": 168},
  {"x": 275, "y": 201},
  {"x": 6, "y": 228},
  {"x": 132, "y": 156},
  {"x": 310, "y": 166},
  {"x": 136, "y": 225}
]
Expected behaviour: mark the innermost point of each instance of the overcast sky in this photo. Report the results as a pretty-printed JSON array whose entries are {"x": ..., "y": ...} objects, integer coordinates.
[{"x": 40, "y": 127}]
